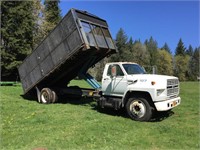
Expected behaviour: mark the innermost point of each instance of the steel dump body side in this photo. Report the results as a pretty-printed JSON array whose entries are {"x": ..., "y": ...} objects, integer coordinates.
[{"x": 80, "y": 38}]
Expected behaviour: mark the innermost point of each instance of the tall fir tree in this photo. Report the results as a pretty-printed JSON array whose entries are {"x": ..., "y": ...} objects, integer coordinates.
[
  {"x": 152, "y": 47},
  {"x": 17, "y": 24},
  {"x": 180, "y": 49},
  {"x": 189, "y": 51},
  {"x": 52, "y": 15},
  {"x": 129, "y": 51},
  {"x": 193, "y": 67},
  {"x": 121, "y": 43},
  {"x": 130, "y": 41},
  {"x": 166, "y": 48}
]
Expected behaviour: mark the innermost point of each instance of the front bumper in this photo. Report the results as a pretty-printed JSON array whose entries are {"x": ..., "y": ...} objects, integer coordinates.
[{"x": 168, "y": 104}]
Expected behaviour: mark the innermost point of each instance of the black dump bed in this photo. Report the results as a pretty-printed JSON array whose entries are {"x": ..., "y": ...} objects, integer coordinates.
[{"x": 79, "y": 41}]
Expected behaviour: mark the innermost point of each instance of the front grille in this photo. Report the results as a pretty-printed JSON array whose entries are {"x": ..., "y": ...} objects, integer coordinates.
[{"x": 172, "y": 87}]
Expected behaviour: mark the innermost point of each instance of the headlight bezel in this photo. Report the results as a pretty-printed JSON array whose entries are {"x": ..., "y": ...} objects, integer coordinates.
[{"x": 159, "y": 92}]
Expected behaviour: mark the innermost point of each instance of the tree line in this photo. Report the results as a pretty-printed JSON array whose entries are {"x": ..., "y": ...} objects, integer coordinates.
[
  {"x": 24, "y": 24},
  {"x": 184, "y": 64}
]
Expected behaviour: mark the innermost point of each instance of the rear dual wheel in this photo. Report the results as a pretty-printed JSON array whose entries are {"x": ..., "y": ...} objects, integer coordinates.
[{"x": 48, "y": 96}]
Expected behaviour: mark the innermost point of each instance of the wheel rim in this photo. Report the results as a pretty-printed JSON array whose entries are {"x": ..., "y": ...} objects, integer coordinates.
[
  {"x": 137, "y": 108},
  {"x": 45, "y": 97}
]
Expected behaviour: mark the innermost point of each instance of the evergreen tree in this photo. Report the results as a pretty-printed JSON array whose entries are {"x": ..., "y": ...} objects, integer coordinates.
[
  {"x": 130, "y": 42},
  {"x": 52, "y": 15},
  {"x": 17, "y": 25},
  {"x": 166, "y": 47},
  {"x": 121, "y": 43},
  {"x": 129, "y": 51},
  {"x": 189, "y": 51},
  {"x": 193, "y": 68},
  {"x": 180, "y": 49},
  {"x": 151, "y": 45},
  {"x": 136, "y": 41}
]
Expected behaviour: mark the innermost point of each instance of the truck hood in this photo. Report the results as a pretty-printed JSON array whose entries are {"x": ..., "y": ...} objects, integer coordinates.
[
  {"x": 150, "y": 79},
  {"x": 152, "y": 76}
]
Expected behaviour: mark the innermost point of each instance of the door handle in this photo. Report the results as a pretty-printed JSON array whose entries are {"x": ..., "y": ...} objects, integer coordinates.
[
  {"x": 131, "y": 81},
  {"x": 106, "y": 79}
]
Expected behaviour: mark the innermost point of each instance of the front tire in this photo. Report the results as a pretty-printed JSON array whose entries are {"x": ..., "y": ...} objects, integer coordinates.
[{"x": 139, "y": 109}]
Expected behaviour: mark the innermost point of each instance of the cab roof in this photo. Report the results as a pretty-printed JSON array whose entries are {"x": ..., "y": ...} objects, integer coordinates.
[{"x": 121, "y": 63}]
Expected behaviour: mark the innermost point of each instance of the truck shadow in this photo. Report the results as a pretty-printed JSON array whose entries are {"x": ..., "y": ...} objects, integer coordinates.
[
  {"x": 111, "y": 111},
  {"x": 160, "y": 116},
  {"x": 75, "y": 100},
  {"x": 157, "y": 117},
  {"x": 29, "y": 97},
  {"x": 93, "y": 105}
]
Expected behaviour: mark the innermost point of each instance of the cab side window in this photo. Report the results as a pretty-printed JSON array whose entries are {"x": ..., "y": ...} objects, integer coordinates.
[{"x": 119, "y": 71}]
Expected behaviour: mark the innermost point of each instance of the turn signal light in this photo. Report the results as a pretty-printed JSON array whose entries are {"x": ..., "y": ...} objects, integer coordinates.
[{"x": 153, "y": 82}]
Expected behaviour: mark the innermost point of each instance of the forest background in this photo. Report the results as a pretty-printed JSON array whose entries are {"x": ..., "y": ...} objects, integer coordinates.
[{"x": 24, "y": 24}]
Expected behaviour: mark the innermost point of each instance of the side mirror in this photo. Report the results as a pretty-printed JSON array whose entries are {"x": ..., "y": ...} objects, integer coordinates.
[
  {"x": 114, "y": 71},
  {"x": 144, "y": 69}
]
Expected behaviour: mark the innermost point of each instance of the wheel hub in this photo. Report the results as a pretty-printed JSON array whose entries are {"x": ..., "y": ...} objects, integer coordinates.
[
  {"x": 45, "y": 97},
  {"x": 138, "y": 109}
]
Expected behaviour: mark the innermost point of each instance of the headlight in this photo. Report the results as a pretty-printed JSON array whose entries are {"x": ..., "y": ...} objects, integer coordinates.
[{"x": 160, "y": 91}]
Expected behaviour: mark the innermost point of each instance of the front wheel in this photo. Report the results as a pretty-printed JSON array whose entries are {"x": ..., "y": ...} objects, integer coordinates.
[{"x": 139, "y": 109}]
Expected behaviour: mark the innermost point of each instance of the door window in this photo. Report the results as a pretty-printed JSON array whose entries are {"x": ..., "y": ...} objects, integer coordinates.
[{"x": 119, "y": 71}]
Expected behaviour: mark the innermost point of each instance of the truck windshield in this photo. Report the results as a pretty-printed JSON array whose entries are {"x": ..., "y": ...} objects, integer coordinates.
[{"x": 133, "y": 69}]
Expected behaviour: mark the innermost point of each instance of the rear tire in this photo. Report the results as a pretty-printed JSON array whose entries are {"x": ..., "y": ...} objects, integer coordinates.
[
  {"x": 139, "y": 109},
  {"x": 55, "y": 97},
  {"x": 48, "y": 96}
]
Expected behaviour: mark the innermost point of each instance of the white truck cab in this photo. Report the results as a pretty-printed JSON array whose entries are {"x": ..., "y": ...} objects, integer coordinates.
[{"x": 126, "y": 84}]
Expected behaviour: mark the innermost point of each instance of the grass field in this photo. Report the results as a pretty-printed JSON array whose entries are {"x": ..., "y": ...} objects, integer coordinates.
[{"x": 78, "y": 124}]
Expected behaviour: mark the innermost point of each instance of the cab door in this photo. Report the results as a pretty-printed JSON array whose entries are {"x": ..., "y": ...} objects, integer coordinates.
[{"x": 116, "y": 84}]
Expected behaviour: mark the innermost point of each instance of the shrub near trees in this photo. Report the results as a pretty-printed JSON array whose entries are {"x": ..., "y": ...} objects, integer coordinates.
[{"x": 165, "y": 65}]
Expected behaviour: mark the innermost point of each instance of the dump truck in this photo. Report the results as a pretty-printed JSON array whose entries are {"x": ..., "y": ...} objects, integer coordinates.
[{"x": 77, "y": 43}]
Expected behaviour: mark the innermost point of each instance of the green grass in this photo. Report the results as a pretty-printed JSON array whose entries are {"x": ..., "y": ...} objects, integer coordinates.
[
  {"x": 80, "y": 83},
  {"x": 8, "y": 83},
  {"x": 78, "y": 124}
]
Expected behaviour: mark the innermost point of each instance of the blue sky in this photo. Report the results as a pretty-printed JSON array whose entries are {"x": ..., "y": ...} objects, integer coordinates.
[{"x": 165, "y": 21}]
